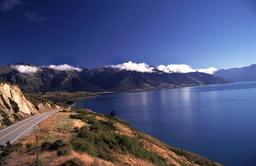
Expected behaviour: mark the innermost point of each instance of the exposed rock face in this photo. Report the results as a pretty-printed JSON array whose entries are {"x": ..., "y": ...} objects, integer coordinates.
[{"x": 13, "y": 104}]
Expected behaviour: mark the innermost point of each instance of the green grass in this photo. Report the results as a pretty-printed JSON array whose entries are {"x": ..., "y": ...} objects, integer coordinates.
[
  {"x": 193, "y": 157},
  {"x": 99, "y": 140}
]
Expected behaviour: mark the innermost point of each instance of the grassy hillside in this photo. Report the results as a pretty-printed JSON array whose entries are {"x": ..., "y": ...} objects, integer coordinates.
[{"x": 82, "y": 137}]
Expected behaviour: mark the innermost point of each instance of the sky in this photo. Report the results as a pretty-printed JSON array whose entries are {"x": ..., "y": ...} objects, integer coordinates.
[{"x": 92, "y": 33}]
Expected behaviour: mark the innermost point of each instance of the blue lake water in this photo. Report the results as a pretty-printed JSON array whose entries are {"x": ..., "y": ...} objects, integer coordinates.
[{"x": 216, "y": 121}]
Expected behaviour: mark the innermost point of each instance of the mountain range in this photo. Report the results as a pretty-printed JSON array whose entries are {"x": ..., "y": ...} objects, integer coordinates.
[
  {"x": 67, "y": 78},
  {"x": 247, "y": 73}
]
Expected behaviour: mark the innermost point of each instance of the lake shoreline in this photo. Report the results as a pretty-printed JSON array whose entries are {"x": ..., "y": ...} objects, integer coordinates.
[{"x": 197, "y": 112}]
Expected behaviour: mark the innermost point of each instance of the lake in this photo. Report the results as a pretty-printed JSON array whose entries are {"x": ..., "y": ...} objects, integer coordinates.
[{"x": 216, "y": 121}]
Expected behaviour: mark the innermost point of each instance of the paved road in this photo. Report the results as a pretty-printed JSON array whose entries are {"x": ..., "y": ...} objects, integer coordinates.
[{"x": 17, "y": 130}]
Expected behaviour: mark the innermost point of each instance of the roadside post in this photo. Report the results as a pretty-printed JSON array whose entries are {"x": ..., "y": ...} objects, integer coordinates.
[{"x": 36, "y": 129}]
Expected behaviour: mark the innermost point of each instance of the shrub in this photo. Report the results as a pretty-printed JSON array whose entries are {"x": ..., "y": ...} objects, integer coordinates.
[
  {"x": 192, "y": 157},
  {"x": 29, "y": 146},
  {"x": 103, "y": 126},
  {"x": 65, "y": 150},
  {"x": 100, "y": 141},
  {"x": 73, "y": 162},
  {"x": 9, "y": 148},
  {"x": 132, "y": 145},
  {"x": 82, "y": 145},
  {"x": 57, "y": 144},
  {"x": 69, "y": 102},
  {"x": 53, "y": 146},
  {"x": 46, "y": 145},
  {"x": 112, "y": 114}
]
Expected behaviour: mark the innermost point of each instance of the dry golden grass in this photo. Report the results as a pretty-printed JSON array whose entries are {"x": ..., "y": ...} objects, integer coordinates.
[
  {"x": 132, "y": 161},
  {"x": 165, "y": 153},
  {"x": 84, "y": 158},
  {"x": 50, "y": 158},
  {"x": 59, "y": 126},
  {"x": 123, "y": 130}
]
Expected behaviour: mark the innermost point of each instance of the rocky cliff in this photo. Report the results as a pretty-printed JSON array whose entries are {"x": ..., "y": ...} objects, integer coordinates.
[{"x": 13, "y": 104}]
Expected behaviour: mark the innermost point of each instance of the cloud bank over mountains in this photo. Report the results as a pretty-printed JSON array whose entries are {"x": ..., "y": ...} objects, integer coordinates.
[
  {"x": 25, "y": 68},
  {"x": 172, "y": 68},
  {"x": 129, "y": 66},
  {"x": 183, "y": 68},
  {"x": 64, "y": 67},
  {"x": 29, "y": 69}
]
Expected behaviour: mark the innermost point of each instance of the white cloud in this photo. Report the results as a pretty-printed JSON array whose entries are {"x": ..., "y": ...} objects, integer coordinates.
[
  {"x": 7, "y": 5},
  {"x": 131, "y": 66},
  {"x": 210, "y": 70},
  {"x": 183, "y": 68},
  {"x": 25, "y": 68},
  {"x": 64, "y": 67},
  {"x": 175, "y": 68}
]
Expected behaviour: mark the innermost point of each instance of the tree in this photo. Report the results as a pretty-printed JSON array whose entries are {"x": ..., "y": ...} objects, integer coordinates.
[{"x": 112, "y": 113}]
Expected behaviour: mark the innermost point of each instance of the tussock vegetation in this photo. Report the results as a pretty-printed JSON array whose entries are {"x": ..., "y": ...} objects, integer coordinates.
[
  {"x": 59, "y": 146},
  {"x": 100, "y": 140},
  {"x": 193, "y": 157}
]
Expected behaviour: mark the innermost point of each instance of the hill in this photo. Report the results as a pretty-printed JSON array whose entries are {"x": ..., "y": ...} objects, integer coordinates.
[
  {"x": 42, "y": 79},
  {"x": 247, "y": 73},
  {"x": 82, "y": 137}
]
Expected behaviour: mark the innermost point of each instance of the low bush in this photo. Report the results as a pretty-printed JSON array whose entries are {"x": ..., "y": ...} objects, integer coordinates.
[
  {"x": 100, "y": 141},
  {"x": 73, "y": 162},
  {"x": 29, "y": 147},
  {"x": 112, "y": 114},
  {"x": 46, "y": 145},
  {"x": 65, "y": 150},
  {"x": 133, "y": 146},
  {"x": 193, "y": 157},
  {"x": 57, "y": 144},
  {"x": 9, "y": 148}
]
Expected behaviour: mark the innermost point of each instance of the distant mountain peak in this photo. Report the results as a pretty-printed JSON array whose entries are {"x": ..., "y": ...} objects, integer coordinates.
[
  {"x": 68, "y": 78},
  {"x": 246, "y": 73}
]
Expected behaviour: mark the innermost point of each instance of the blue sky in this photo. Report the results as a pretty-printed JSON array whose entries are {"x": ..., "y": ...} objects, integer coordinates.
[{"x": 201, "y": 33}]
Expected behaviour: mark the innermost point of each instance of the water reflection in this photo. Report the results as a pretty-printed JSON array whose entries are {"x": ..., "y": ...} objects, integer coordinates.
[{"x": 217, "y": 121}]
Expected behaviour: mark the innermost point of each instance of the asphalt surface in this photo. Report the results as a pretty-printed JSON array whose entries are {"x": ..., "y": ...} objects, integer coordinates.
[{"x": 17, "y": 130}]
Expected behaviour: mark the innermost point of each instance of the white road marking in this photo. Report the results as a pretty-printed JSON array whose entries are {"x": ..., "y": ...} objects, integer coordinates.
[{"x": 33, "y": 120}]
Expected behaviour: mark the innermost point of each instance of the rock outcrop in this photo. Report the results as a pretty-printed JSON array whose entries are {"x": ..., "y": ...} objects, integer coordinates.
[{"x": 14, "y": 105}]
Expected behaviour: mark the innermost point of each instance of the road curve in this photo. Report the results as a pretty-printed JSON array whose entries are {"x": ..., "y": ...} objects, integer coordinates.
[{"x": 17, "y": 130}]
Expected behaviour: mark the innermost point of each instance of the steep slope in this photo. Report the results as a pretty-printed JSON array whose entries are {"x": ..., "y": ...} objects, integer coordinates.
[
  {"x": 13, "y": 104},
  {"x": 247, "y": 73},
  {"x": 82, "y": 137},
  {"x": 101, "y": 79}
]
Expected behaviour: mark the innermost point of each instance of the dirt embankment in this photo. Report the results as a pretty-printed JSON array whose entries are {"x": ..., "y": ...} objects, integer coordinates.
[{"x": 93, "y": 139}]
